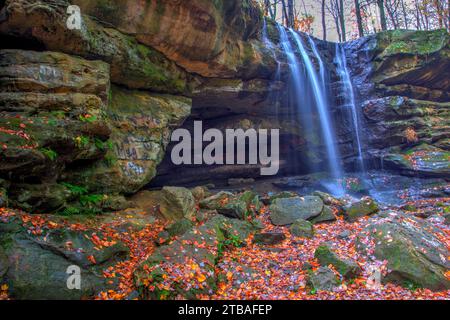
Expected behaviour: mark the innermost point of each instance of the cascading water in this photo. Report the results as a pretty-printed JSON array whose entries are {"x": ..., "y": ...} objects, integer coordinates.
[
  {"x": 298, "y": 85},
  {"x": 342, "y": 69},
  {"x": 323, "y": 109}
]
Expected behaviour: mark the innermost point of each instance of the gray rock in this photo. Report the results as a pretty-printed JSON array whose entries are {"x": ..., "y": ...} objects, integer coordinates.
[
  {"x": 356, "y": 210},
  {"x": 326, "y": 215},
  {"x": 269, "y": 238},
  {"x": 302, "y": 228},
  {"x": 347, "y": 268},
  {"x": 323, "y": 279},
  {"x": 415, "y": 254},
  {"x": 286, "y": 211}
]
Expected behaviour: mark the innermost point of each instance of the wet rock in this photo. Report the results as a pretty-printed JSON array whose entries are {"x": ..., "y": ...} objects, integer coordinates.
[
  {"x": 412, "y": 247},
  {"x": 285, "y": 211},
  {"x": 240, "y": 181},
  {"x": 326, "y": 215},
  {"x": 44, "y": 198},
  {"x": 327, "y": 199},
  {"x": 423, "y": 159},
  {"x": 302, "y": 228},
  {"x": 269, "y": 238},
  {"x": 362, "y": 208},
  {"x": 323, "y": 279},
  {"x": 281, "y": 195}
]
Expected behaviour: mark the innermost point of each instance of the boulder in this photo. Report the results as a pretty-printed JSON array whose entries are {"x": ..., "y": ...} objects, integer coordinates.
[
  {"x": 172, "y": 203},
  {"x": 347, "y": 268},
  {"x": 421, "y": 160},
  {"x": 412, "y": 247},
  {"x": 362, "y": 208},
  {"x": 35, "y": 266},
  {"x": 269, "y": 238},
  {"x": 284, "y": 194},
  {"x": 285, "y": 211},
  {"x": 236, "y": 206},
  {"x": 179, "y": 227},
  {"x": 326, "y": 215},
  {"x": 302, "y": 228},
  {"x": 327, "y": 199},
  {"x": 200, "y": 193},
  {"x": 184, "y": 254},
  {"x": 323, "y": 279}
]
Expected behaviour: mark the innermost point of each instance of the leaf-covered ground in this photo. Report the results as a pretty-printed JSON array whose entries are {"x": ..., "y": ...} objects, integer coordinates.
[{"x": 249, "y": 272}]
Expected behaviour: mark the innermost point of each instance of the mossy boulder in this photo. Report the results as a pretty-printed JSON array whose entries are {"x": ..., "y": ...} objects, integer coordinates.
[
  {"x": 35, "y": 266},
  {"x": 323, "y": 279},
  {"x": 272, "y": 197},
  {"x": 327, "y": 215},
  {"x": 216, "y": 235},
  {"x": 423, "y": 159},
  {"x": 347, "y": 268},
  {"x": 412, "y": 247},
  {"x": 302, "y": 228},
  {"x": 179, "y": 227},
  {"x": 359, "y": 209},
  {"x": 285, "y": 211},
  {"x": 233, "y": 205}
]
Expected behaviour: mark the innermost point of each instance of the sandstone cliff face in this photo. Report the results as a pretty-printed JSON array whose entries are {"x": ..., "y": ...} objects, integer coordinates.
[
  {"x": 95, "y": 107},
  {"x": 209, "y": 38},
  {"x": 404, "y": 88}
]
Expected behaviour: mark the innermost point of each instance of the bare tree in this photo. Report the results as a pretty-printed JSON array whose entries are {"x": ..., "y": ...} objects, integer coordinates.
[
  {"x": 324, "y": 23},
  {"x": 380, "y": 4},
  {"x": 359, "y": 21}
]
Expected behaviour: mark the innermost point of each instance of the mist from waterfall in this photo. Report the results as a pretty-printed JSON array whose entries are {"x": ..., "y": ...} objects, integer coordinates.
[
  {"x": 323, "y": 107},
  {"x": 350, "y": 102}
]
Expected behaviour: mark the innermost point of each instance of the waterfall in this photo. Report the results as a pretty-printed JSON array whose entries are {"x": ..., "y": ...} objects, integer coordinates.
[
  {"x": 297, "y": 85},
  {"x": 323, "y": 107},
  {"x": 342, "y": 69}
]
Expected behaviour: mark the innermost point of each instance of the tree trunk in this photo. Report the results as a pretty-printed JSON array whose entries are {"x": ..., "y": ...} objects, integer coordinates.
[
  {"x": 380, "y": 4},
  {"x": 405, "y": 16},
  {"x": 324, "y": 23},
  {"x": 439, "y": 13},
  {"x": 359, "y": 18},
  {"x": 342, "y": 19},
  {"x": 291, "y": 15}
]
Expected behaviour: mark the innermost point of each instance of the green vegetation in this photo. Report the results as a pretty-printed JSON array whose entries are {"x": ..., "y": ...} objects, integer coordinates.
[{"x": 49, "y": 153}]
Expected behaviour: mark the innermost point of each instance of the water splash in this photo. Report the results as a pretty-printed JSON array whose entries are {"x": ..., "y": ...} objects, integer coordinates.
[{"x": 350, "y": 102}]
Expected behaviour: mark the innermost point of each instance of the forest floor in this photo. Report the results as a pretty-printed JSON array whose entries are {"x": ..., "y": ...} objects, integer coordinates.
[{"x": 253, "y": 271}]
